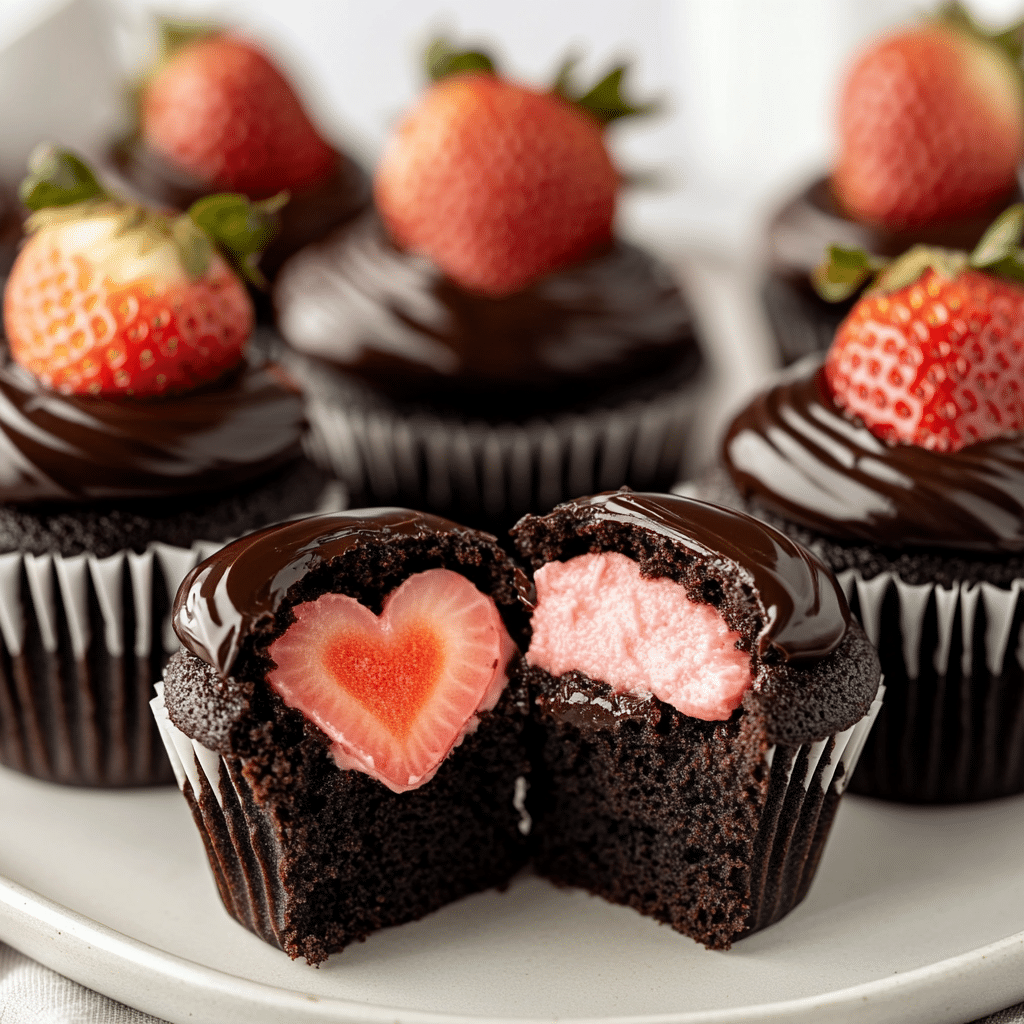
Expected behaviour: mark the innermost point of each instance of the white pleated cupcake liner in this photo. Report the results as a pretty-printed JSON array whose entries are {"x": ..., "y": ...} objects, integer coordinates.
[
  {"x": 805, "y": 784},
  {"x": 804, "y": 787},
  {"x": 953, "y": 657},
  {"x": 82, "y": 640},
  {"x": 499, "y": 470}
]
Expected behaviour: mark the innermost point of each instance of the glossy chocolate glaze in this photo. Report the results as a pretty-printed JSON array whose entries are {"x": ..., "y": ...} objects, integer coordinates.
[
  {"x": 803, "y": 229},
  {"x": 71, "y": 449},
  {"x": 310, "y": 213},
  {"x": 613, "y": 322},
  {"x": 579, "y": 701},
  {"x": 804, "y": 610},
  {"x": 224, "y": 598},
  {"x": 793, "y": 452}
]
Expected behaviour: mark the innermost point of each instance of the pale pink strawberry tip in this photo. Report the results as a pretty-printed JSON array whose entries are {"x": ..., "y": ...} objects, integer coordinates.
[
  {"x": 597, "y": 615},
  {"x": 402, "y": 735}
]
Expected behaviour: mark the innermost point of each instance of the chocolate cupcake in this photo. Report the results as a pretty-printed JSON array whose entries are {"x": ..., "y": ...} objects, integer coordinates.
[
  {"x": 483, "y": 346},
  {"x": 931, "y": 134},
  {"x": 348, "y": 723},
  {"x": 216, "y": 115},
  {"x": 10, "y": 232},
  {"x": 901, "y": 464},
  {"x": 135, "y": 436},
  {"x": 703, "y": 697}
]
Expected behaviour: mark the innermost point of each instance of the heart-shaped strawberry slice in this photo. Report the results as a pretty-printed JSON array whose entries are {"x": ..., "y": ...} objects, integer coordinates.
[{"x": 398, "y": 692}]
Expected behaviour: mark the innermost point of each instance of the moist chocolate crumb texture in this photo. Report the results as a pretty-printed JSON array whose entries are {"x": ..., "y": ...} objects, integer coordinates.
[
  {"x": 713, "y": 824},
  {"x": 711, "y": 818},
  {"x": 318, "y": 831},
  {"x": 928, "y": 548},
  {"x": 106, "y": 501}
]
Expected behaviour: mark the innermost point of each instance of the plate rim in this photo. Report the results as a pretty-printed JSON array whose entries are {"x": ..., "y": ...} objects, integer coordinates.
[{"x": 63, "y": 938}]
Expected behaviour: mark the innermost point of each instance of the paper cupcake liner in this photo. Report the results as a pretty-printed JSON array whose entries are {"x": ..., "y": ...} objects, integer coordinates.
[
  {"x": 953, "y": 725},
  {"x": 496, "y": 470},
  {"x": 804, "y": 787},
  {"x": 82, "y": 640}
]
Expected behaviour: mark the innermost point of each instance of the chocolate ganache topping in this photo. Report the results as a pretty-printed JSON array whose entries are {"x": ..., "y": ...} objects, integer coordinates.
[
  {"x": 793, "y": 452},
  {"x": 67, "y": 449},
  {"x": 805, "y": 613},
  {"x": 308, "y": 215},
  {"x": 613, "y": 322},
  {"x": 224, "y": 598},
  {"x": 801, "y": 232}
]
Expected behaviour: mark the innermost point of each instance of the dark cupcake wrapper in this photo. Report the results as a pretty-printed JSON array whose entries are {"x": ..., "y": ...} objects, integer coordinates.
[
  {"x": 953, "y": 725},
  {"x": 804, "y": 786},
  {"x": 82, "y": 640},
  {"x": 802, "y": 322},
  {"x": 498, "y": 470}
]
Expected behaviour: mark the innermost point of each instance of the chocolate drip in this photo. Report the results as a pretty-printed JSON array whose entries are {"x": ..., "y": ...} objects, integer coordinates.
[
  {"x": 71, "y": 449},
  {"x": 224, "y": 598},
  {"x": 610, "y": 323},
  {"x": 309, "y": 214},
  {"x": 805, "y": 612},
  {"x": 794, "y": 453}
]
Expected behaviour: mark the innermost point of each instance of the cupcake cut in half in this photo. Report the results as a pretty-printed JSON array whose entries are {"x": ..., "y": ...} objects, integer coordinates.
[
  {"x": 135, "y": 427},
  {"x": 703, "y": 697},
  {"x": 350, "y": 688},
  {"x": 481, "y": 344},
  {"x": 900, "y": 462},
  {"x": 352, "y": 714}
]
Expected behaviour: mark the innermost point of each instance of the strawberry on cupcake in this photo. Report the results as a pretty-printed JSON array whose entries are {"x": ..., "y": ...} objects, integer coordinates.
[
  {"x": 482, "y": 344},
  {"x": 931, "y": 136},
  {"x": 214, "y": 114},
  {"x": 135, "y": 427},
  {"x": 900, "y": 461}
]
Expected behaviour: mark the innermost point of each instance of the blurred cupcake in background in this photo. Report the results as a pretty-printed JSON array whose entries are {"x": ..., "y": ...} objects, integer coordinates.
[
  {"x": 931, "y": 135},
  {"x": 481, "y": 344},
  {"x": 137, "y": 433},
  {"x": 215, "y": 114}
]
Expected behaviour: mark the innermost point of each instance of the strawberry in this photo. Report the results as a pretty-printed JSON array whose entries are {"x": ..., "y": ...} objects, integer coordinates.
[
  {"x": 217, "y": 108},
  {"x": 500, "y": 184},
  {"x": 933, "y": 355},
  {"x": 107, "y": 298},
  {"x": 395, "y": 693},
  {"x": 931, "y": 124}
]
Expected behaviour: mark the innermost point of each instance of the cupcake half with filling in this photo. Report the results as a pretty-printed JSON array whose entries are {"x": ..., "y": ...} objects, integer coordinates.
[
  {"x": 931, "y": 135},
  {"x": 703, "y": 697},
  {"x": 215, "y": 114},
  {"x": 482, "y": 344},
  {"x": 135, "y": 431},
  {"x": 900, "y": 461},
  {"x": 349, "y": 723}
]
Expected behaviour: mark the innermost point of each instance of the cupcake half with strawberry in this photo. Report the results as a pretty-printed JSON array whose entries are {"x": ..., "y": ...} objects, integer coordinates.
[
  {"x": 931, "y": 136},
  {"x": 215, "y": 114},
  {"x": 900, "y": 462},
  {"x": 481, "y": 344},
  {"x": 136, "y": 434}
]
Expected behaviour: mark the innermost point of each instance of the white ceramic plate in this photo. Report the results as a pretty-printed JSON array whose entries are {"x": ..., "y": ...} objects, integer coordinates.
[{"x": 915, "y": 916}]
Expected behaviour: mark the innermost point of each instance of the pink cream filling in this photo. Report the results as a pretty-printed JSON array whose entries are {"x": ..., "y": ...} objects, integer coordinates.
[{"x": 595, "y": 614}]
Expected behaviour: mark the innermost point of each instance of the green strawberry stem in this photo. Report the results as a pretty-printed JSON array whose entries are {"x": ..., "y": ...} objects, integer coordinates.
[
  {"x": 240, "y": 227},
  {"x": 176, "y": 34},
  {"x": 844, "y": 272},
  {"x": 58, "y": 178},
  {"x": 443, "y": 59}
]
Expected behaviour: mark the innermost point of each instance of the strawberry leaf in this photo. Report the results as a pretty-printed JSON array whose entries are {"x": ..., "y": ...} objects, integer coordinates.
[
  {"x": 239, "y": 227},
  {"x": 175, "y": 35},
  {"x": 1001, "y": 240},
  {"x": 1009, "y": 40},
  {"x": 443, "y": 59},
  {"x": 604, "y": 101},
  {"x": 58, "y": 178},
  {"x": 844, "y": 272},
  {"x": 915, "y": 261}
]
